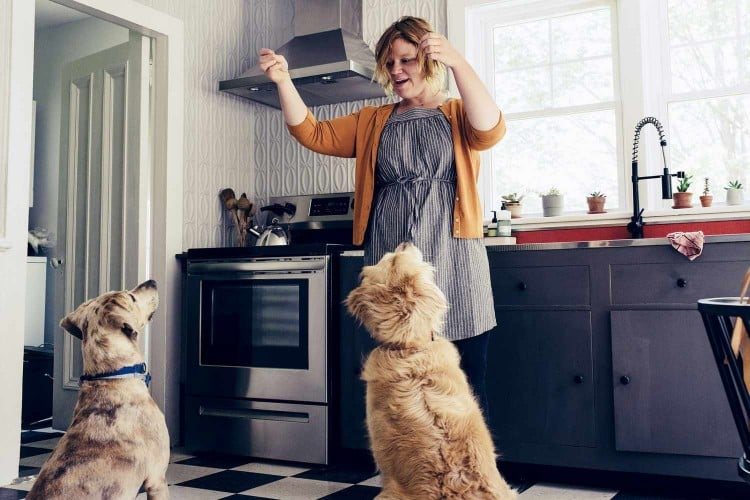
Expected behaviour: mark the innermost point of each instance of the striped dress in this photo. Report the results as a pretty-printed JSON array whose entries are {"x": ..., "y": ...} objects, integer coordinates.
[{"x": 415, "y": 187}]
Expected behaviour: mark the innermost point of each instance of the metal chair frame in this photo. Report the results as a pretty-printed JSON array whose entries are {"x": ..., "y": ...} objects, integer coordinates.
[{"x": 717, "y": 316}]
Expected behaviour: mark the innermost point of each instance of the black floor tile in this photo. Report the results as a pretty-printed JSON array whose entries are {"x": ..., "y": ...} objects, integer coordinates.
[
  {"x": 24, "y": 471},
  {"x": 30, "y": 451},
  {"x": 349, "y": 473},
  {"x": 237, "y": 496},
  {"x": 10, "y": 494},
  {"x": 231, "y": 481},
  {"x": 216, "y": 460},
  {"x": 32, "y": 436},
  {"x": 356, "y": 492}
]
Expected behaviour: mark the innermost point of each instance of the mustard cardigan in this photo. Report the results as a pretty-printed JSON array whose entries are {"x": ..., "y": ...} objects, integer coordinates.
[{"x": 357, "y": 136}]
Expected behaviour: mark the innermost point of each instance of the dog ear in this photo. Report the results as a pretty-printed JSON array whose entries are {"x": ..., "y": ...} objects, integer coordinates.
[{"x": 69, "y": 326}]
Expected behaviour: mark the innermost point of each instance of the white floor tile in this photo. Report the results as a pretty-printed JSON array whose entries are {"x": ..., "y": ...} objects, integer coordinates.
[
  {"x": 294, "y": 488},
  {"x": 561, "y": 492},
  {"x": 276, "y": 470},
  {"x": 373, "y": 481},
  {"x": 48, "y": 444},
  {"x": 184, "y": 493},
  {"x": 179, "y": 473},
  {"x": 24, "y": 486},
  {"x": 178, "y": 454},
  {"x": 36, "y": 460}
]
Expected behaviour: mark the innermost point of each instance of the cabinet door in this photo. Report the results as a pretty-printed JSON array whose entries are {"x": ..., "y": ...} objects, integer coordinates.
[
  {"x": 355, "y": 345},
  {"x": 667, "y": 391},
  {"x": 540, "y": 378}
]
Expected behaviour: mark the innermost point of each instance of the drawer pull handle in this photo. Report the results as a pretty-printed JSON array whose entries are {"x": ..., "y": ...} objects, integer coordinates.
[
  {"x": 682, "y": 283},
  {"x": 578, "y": 379},
  {"x": 625, "y": 380},
  {"x": 522, "y": 286}
]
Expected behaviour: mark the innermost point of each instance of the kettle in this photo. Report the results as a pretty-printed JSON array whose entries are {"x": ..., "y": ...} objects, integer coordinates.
[{"x": 271, "y": 235}]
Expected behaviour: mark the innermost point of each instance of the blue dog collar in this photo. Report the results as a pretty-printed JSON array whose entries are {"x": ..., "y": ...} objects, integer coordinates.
[{"x": 134, "y": 371}]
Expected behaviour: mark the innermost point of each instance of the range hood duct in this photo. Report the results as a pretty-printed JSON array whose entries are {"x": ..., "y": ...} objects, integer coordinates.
[{"x": 328, "y": 60}]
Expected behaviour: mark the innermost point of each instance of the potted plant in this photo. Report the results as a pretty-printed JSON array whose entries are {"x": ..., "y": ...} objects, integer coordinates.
[
  {"x": 512, "y": 202},
  {"x": 596, "y": 201},
  {"x": 734, "y": 192},
  {"x": 706, "y": 198},
  {"x": 683, "y": 198},
  {"x": 552, "y": 202}
]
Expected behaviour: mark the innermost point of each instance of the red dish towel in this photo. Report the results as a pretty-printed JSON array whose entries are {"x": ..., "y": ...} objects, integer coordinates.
[{"x": 688, "y": 244}]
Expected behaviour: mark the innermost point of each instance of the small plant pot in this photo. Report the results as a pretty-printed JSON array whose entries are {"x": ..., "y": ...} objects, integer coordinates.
[
  {"x": 734, "y": 196},
  {"x": 706, "y": 200},
  {"x": 514, "y": 209},
  {"x": 596, "y": 204},
  {"x": 682, "y": 200},
  {"x": 552, "y": 205}
]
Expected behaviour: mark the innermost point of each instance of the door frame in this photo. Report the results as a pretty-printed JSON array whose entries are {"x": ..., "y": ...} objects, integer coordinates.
[{"x": 165, "y": 211}]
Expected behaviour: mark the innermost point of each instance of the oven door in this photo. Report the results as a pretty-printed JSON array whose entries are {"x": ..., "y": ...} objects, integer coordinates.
[{"x": 257, "y": 329}]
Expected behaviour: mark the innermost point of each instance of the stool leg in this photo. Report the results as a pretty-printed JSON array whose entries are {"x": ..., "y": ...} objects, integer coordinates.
[{"x": 719, "y": 333}]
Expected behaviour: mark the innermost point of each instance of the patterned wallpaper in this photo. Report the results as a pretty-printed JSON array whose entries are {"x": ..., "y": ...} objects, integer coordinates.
[{"x": 232, "y": 142}]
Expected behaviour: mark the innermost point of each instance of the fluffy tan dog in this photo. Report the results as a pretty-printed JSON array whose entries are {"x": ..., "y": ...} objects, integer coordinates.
[
  {"x": 118, "y": 438},
  {"x": 427, "y": 432}
]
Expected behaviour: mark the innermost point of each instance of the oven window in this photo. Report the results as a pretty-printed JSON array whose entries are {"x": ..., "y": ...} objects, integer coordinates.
[{"x": 255, "y": 323}]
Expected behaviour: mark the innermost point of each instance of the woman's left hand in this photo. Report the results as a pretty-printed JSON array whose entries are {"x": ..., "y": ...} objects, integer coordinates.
[{"x": 438, "y": 48}]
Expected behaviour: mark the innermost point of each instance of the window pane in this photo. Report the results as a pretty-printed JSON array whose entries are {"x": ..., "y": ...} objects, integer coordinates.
[
  {"x": 575, "y": 153},
  {"x": 707, "y": 66},
  {"x": 577, "y": 60},
  {"x": 523, "y": 90},
  {"x": 581, "y": 36},
  {"x": 710, "y": 139},
  {"x": 707, "y": 44},
  {"x": 582, "y": 82},
  {"x": 521, "y": 45}
]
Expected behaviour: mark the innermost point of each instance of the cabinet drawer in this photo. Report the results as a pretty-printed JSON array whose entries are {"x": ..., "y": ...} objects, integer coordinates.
[
  {"x": 675, "y": 283},
  {"x": 552, "y": 285}
]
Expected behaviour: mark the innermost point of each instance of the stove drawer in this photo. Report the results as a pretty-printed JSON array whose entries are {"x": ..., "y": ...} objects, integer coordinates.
[{"x": 278, "y": 431}]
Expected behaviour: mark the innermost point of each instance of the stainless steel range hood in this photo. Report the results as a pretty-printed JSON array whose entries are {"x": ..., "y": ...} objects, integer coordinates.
[{"x": 328, "y": 60}]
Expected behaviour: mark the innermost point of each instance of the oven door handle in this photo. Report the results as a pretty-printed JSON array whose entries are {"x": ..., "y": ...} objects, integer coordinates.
[{"x": 265, "y": 266}]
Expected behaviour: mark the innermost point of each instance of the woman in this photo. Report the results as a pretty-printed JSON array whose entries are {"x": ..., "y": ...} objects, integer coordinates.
[{"x": 416, "y": 170}]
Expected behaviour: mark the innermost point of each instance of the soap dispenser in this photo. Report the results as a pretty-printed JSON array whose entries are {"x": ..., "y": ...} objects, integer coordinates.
[{"x": 492, "y": 228}]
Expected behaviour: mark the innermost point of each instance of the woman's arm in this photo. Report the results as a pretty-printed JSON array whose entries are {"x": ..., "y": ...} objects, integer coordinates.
[
  {"x": 479, "y": 106},
  {"x": 277, "y": 69}
]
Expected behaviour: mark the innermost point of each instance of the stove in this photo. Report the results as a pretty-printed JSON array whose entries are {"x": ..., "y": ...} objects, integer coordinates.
[{"x": 259, "y": 336}]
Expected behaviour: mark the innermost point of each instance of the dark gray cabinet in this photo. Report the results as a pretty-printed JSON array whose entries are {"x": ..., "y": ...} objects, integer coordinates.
[
  {"x": 540, "y": 378},
  {"x": 668, "y": 395}
]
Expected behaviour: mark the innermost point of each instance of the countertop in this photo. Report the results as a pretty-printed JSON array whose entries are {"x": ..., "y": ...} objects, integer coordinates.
[{"x": 722, "y": 238}]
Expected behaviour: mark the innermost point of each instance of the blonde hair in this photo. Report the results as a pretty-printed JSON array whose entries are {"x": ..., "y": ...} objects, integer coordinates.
[{"x": 410, "y": 29}]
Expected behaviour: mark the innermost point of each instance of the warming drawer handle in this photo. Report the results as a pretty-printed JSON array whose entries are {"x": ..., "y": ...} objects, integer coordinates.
[
  {"x": 208, "y": 267},
  {"x": 247, "y": 413}
]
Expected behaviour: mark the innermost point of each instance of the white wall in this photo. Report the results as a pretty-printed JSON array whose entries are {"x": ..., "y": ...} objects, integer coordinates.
[{"x": 53, "y": 48}]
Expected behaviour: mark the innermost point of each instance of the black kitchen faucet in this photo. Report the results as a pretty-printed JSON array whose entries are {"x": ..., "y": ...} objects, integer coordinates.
[{"x": 636, "y": 222}]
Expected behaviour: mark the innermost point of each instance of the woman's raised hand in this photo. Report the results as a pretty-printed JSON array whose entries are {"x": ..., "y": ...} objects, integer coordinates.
[
  {"x": 273, "y": 65},
  {"x": 438, "y": 48}
]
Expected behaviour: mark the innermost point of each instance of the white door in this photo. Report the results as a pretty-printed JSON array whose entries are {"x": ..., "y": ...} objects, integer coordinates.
[{"x": 104, "y": 188}]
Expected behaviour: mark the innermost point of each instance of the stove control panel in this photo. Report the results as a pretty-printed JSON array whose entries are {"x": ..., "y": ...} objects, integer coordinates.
[{"x": 319, "y": 207}]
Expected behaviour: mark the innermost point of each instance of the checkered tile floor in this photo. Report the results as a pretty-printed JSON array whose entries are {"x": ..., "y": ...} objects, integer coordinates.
[{"x": 209, "y": 477}]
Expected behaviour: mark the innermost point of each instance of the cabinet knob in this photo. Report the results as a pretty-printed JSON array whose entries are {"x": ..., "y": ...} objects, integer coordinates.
[
  {"x": 522, "y": 285},
  {"x": 625, "y": 380},
  {"x": 682, "y": 283},
  {"x": 578, "y": 379}
]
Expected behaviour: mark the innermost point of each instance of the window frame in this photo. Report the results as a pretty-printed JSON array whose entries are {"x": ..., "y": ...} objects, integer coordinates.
[{"x": 640, "y": 63}]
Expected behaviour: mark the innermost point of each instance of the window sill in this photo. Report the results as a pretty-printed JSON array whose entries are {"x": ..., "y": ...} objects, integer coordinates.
[{"x": 619, "y": 217}]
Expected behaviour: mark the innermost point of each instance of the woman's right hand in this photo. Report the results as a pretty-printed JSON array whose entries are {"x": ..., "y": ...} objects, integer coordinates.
[{"x": 273, "y": 65}]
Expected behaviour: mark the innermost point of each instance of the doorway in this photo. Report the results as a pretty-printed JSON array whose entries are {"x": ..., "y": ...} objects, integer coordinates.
[{"x": 165, "y": 233}]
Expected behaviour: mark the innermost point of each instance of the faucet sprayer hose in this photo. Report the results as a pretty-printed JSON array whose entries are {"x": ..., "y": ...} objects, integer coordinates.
[{"x": 659, "y": 128}]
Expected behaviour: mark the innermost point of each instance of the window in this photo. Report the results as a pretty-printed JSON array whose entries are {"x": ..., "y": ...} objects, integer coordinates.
[
  {"x": 707, "y": 90},
  {"x": 573, "y": 77}
]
